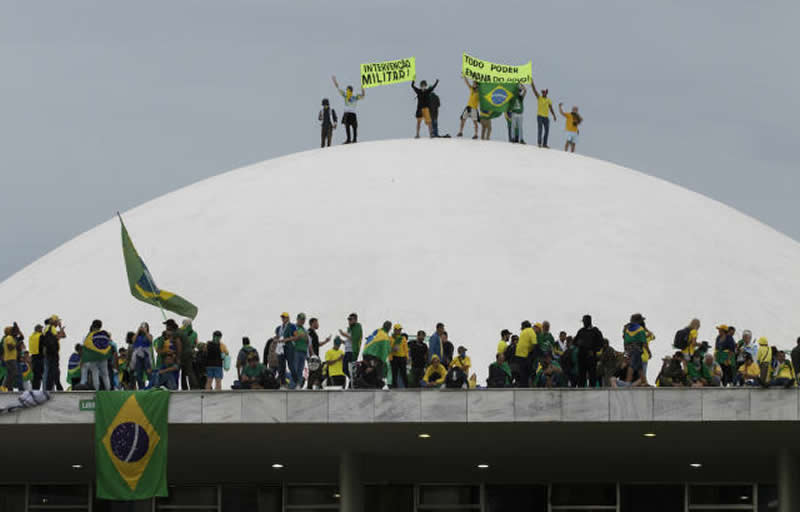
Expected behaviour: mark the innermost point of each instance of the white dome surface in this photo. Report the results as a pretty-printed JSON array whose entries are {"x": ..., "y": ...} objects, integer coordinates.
[{"x": 474, "y": 234}]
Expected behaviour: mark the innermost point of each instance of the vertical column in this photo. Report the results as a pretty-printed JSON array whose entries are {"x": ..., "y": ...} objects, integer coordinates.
[
  {"x": 351, "y": 483},
  {"x": 788, "y": 482}
]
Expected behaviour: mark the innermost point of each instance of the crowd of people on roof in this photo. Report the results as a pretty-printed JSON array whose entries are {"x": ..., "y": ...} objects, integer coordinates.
[
  {"x": 427, "y": 111},
  {"x": 292, "y": 358}
]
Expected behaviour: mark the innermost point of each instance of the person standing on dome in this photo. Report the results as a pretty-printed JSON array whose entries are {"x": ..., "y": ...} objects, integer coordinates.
[
  {"x": 545, "y": 108},
  {"x": 349, "y": 119},
  {"x": 634, "y": 336},
  {"x": 573, "y": 119},
  {"x": 328, "y": 121},
  {"x": 50, "y": 342},
  {"x": 471, "y": 110},
  {"x": 352, "y": 344},
  {"x": 424, "y": 105},
  {"x": 515, "y": 110}
]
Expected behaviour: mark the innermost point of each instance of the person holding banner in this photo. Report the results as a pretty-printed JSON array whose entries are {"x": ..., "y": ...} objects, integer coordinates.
[
  {"x": 515, "y": 109},
  {"x": 349, "y": 119},
  {"x": 471, "y": 110},
  {"x": 573, "y": 120},
  {"x": 424, "y": 104},
  {"x": 543, "y": 116}
]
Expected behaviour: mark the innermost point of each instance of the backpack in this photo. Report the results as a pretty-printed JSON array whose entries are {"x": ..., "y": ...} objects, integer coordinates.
[
  {"x": 456, "y": 378},
  {"x": 681, "y": 340}
]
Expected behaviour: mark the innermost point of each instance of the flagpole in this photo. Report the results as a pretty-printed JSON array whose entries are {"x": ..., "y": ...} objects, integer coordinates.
[{"x": 147, "y": 276}]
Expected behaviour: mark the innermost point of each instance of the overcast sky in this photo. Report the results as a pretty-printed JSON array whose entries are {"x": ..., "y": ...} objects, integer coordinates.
[{"x": 108, "y": 104}]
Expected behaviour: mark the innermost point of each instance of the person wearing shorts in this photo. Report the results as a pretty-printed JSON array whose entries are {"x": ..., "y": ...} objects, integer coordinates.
[
  {"x": 573, "y": 120},
  {"x": 424, "y": 104},
  {"x": 471, "y": 110},
  {"x": 486, "y": 127},
  {"x": 349, "y": 119}
]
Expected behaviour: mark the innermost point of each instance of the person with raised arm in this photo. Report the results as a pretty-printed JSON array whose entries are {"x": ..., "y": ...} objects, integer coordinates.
[
  {"x": 545, "y": 108},
  {"x": 349, "y": 119},
  {"x": 573, "y": 119}
]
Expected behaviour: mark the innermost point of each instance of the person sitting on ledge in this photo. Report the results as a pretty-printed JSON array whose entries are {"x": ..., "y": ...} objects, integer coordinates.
[{"x": 435, "y": 373}]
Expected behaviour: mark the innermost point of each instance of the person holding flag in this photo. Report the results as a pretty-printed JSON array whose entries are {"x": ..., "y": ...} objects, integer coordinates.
[
  {"x": 376, "y": 352},
  {"x": 515, "y": 110},
  {"x": 349, "y": 119},
  {"x": 94, "y": 356},
  {"x": 545, "y": 108}
]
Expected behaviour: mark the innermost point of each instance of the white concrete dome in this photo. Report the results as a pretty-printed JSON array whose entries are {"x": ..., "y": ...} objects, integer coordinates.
[{"x": 477, "y": 235}]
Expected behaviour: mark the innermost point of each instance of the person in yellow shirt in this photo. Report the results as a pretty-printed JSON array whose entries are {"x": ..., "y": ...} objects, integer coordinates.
[
  {"x": 520, "y": 363},
  {"x": 462, "y": 360},
  {"x": 764, "y": 357},
  {"x": 398, "y": 357},
  {"x": 783, "y": 376},
  {"x": 37, "y": 357},
  {"x": 502, "y": 345},
  {"x": 543, "y": 111},
  {"x": 748, "y": 373},
  {"x": 691, "y": 345},
  {"x": 10, "y": 344},
  {"x": 435, "y": 373},
  {"x": 334, "y": 358},
  {"x": 471, "y": 110},
  {"x": 573, "y": 120}
]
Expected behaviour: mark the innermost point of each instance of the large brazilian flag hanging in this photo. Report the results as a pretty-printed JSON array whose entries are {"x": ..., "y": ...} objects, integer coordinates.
[
  {"x": 130, "y": 433},
  {"x": 143, "y": 286},
  {"x": 495, "y": 98}
]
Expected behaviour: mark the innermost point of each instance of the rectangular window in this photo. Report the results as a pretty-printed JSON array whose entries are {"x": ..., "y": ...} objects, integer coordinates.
[
  {"x": 389, "y": 498},
  {"x": 44, "y": 496},
  {"x": 767, "y": 498},
  {"x": 602, "y": 496},
  {"x": 122, "y": 506},
  {"x": 201, "y": 497},
  {"x": 710, "y": 494},
  {"x": 312, "y": 498},
  {"x": 530, "y": 498},
  {"x": 432, "y": 497},
  {"x": 12, "y": 498},
  {"x": 251, "y": 498},
  {"x": 653, "y": 498}
]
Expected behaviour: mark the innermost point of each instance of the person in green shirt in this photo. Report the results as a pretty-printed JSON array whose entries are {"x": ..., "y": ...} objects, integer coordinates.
[
  {"x": 546, "y": 341},
  {"x": 300, "y": 342},
  {"x": 516, "y": 110},
  {"x": 549, "y": 374},
  {"x": 186, "y": 358},
  {"x": 253, "y": 373},
  {"x": 352, "y": 343},
  {"x": 499, "y": 373}
]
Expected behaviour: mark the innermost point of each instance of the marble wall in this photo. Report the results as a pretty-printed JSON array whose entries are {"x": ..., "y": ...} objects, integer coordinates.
[{"x": 451, "y": 406}]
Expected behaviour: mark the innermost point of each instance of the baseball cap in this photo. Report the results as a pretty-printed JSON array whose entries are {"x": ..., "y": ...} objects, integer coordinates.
[
  {"x": 284, "y": 315},
  {"x": 398, "y": 327}
]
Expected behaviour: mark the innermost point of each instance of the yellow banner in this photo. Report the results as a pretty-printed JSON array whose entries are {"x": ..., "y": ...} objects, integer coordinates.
[
  {"x": 388, "y": 72},
  {"x": 485, "y": 71}
]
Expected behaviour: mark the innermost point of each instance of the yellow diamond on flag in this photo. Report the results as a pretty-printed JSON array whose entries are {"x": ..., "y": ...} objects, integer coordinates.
[
  {"x": 498, "y": 96},
  {"x": 130, "y": 442}
]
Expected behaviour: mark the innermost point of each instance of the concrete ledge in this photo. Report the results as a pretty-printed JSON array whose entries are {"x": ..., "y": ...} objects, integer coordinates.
[{"x": 444, "y": 406}]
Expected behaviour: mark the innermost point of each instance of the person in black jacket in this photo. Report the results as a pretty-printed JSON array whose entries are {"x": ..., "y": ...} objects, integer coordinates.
[
  {"x": 589, "y": 340},
  {"x": 418, "y": 352},
  {"x": 328, "y": 122},
  {"x": 424, "y": 104}
]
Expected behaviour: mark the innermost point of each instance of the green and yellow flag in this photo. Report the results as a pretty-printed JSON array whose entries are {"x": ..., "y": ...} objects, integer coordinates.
[
  {"x": 495, "y": 98},
  {"x": 130, "y": 433},
  {"x": 143, "y": 286}
]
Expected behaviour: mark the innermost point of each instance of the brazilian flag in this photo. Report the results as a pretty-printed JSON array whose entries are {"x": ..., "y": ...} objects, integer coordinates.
[
  {"x": 130, "y": 434},
  {"x": 96, "y": 346},
  {"x": 143, "y": 286},
  {"x": 495, "y": 98}
]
